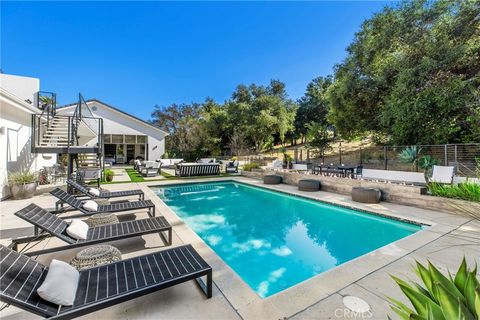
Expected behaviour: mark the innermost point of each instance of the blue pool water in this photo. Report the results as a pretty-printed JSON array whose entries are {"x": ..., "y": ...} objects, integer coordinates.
[{"x": 274, "y": 240}]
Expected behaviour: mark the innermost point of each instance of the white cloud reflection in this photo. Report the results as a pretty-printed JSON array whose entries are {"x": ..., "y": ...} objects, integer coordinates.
[
  {"x": 273, "y": 277},
  {"x": 282, "y": 251},
  {"x": 204, "y": 222}
]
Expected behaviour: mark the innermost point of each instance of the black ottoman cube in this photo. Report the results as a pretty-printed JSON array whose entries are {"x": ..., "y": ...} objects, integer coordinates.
[
  {"x": 272, "y": 179},
  {"x": 308, "y": 185},
  {"x": 366, "y": 195}
]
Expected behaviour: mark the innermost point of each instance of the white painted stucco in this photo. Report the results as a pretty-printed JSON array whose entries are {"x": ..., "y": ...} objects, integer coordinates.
[
  {"x": 116, "y": 122},
  {"x": 24, "y": 88},
  {"x": 15, "y": 135}
]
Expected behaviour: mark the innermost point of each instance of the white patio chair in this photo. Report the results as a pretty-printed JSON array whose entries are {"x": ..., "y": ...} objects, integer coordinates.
[{"x": 442, "y": 174}]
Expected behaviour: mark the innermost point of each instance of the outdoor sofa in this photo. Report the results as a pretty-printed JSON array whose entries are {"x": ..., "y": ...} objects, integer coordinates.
[
  {"x": 197, "y": 169},
  {"x": 151, "y": 171},
  {"x": 95, "y": 290},
  {"x": 51, "y": 225},
  {"x": 78, "y": 204},
  {"x": 169, "y": 163}
]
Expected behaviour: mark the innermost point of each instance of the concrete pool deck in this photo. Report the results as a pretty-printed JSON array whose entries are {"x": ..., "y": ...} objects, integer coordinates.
[{"x": 445, "y": 242}]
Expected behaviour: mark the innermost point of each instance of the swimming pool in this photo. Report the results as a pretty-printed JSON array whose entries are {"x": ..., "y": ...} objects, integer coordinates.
[{"x": 273, "y": 240}]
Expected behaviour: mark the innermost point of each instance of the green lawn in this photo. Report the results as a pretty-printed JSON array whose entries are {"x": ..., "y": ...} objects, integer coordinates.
[{"x": 134, "y": 175}]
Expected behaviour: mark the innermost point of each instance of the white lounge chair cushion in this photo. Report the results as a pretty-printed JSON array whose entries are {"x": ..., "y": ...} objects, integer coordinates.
[
  {"x": 94, "y": 192},
  {"x": 60, "y": 284},
  {"x": 78, "y": 229},
  {"x": 90, "y": 205},
  {"x": 442, "y": 174}
]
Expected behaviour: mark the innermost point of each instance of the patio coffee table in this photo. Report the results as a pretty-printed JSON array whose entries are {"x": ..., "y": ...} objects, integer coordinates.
[{"x": 96, "y": 256}]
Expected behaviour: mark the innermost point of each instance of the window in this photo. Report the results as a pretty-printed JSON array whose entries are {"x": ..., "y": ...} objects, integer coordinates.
[
  {"x": 129, "y": 139},
  {"x": 117, "y": 138},
  {"x": 107, "y": 138},
  {"x": 141, "y": 139}
]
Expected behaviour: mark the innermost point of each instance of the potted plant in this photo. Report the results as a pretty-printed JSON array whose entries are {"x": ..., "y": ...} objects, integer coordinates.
[
  {"x": 108, "y": 175},
  {"x": 22, "y": 184}
]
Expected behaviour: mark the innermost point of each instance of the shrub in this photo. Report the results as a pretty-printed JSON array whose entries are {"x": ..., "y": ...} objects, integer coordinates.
[
  {"x": 21, "y": 177},
  {"x": 440, "y": 298},
  {"x": 465, "y": 191},
  {"x": 250, "y": 166},
  {"x": 108, "y": 172},
  {"x": 108, "y": 175}
]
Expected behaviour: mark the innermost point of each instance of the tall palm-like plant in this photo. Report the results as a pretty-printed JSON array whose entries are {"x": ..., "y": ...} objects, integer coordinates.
[{"x": 46, "y": 101}]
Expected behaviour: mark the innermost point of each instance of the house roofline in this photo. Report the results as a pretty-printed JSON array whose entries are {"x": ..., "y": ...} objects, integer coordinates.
[
  {"x": 19, "y": 102},
  {"x": 115, "y": 109}
]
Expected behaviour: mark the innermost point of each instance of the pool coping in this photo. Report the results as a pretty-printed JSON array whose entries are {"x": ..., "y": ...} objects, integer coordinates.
[{"x": 299, "y": 297}]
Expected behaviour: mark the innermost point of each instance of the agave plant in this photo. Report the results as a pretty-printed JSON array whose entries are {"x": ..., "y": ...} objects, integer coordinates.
[
  {"x": 410, "y": 155},
  {"x": 440, "y": 298},
  {"x": 427, "y": 162}
]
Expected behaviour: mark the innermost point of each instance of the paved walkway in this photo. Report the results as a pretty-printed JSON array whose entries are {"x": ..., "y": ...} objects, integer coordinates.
[
  {"x": 445, "y": 243},
  {"x": 121, "y": 175}
]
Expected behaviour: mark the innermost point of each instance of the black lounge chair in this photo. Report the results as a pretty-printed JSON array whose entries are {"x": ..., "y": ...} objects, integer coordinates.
[
  {"x": 71, "y": 200},
  {"x": 105, "y": 194},
  {"x": 52, "y": 225},
  {"x": 103, "y": 286}
]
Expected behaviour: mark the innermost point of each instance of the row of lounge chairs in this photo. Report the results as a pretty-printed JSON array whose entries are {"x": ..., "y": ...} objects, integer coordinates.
[{"x": 103, "y": 286}]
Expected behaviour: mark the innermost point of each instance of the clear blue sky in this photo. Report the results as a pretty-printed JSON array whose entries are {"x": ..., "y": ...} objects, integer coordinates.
[{"x": 135, "y": 55}]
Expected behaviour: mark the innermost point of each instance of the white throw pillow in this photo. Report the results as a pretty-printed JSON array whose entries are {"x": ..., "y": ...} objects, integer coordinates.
[
  {"x": 90, "y": 205},
  {"x": 60, "y": 284},
  {"x": 78, "y": 229},
  {"x": 94, "y": 192}
]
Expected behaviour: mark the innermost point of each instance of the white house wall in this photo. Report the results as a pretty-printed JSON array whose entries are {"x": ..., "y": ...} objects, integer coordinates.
[
  {"x": 15, "y": 140},
  {"x": 22, "y": 87},
  {"x": 115, "y": 122}
]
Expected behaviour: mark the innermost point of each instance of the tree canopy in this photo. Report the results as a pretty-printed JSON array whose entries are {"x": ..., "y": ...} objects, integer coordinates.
[{"x": 411, "y": 76}]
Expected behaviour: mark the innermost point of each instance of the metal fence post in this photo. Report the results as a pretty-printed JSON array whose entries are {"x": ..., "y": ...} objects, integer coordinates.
[
  {"x": 446, "y": 154},
  {"x": 456, "y": 161},
  {"x": 385, "y": 157}
]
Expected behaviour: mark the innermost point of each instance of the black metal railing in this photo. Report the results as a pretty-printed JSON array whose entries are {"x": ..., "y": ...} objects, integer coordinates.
[{"x": 82, "y": 116}]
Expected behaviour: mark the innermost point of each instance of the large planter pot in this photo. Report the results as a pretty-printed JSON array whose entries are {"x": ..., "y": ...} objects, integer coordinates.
[
  {"x": 23, "y": 191},
  {"x": 109, "y": 178}
]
